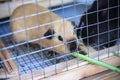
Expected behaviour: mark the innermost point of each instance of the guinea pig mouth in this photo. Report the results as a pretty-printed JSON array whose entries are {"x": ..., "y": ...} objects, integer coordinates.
[
  {"x": 72, "y": 44},
  {"x": 73, "y": 47}
]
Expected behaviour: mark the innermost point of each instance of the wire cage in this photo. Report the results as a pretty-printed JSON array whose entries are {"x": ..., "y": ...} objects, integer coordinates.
[{"x": 96, "y": 25}]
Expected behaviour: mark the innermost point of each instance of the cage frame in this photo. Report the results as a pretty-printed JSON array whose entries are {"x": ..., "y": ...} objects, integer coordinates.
[{"x": 80, "y": 71}]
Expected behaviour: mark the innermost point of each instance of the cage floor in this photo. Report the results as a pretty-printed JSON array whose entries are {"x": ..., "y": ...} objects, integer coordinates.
[
  {"x": 28, "y": 63},
  {"x": 106, "y": 75},
  {"x": 39, "y": 60}
]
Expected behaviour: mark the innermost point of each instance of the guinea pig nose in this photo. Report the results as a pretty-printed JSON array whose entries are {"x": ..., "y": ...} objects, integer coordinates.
[{"x": 73, "y": 46}]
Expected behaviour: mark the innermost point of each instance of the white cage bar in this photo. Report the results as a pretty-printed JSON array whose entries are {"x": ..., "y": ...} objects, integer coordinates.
[{"x": 26, "y": 61}]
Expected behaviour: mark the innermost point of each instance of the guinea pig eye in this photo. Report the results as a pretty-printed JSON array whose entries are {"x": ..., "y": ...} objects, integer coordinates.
[
  {"x": 49, "y": 34},
  {"x": 60, "y": 38}
]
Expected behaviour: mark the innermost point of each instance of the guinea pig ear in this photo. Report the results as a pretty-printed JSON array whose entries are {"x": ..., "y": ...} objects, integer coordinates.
[
  {"x": 49, "y": 34},
  {"x": 73, "y": 23}
]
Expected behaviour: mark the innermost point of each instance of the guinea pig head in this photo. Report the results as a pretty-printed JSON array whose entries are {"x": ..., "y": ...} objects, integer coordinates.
[{"x": 62, "y": 37}]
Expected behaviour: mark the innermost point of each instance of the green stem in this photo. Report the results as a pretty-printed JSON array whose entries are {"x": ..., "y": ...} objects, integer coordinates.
[{"x": 115, "y": 69}]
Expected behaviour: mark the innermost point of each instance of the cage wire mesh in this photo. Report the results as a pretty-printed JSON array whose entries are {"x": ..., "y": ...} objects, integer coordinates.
[{"x": 31, "y": 57}]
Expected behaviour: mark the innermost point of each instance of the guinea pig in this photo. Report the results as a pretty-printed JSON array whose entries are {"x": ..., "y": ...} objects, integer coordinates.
[
  {"x": 99, "y": 26},
  {"x": 34, "y": 22}
]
